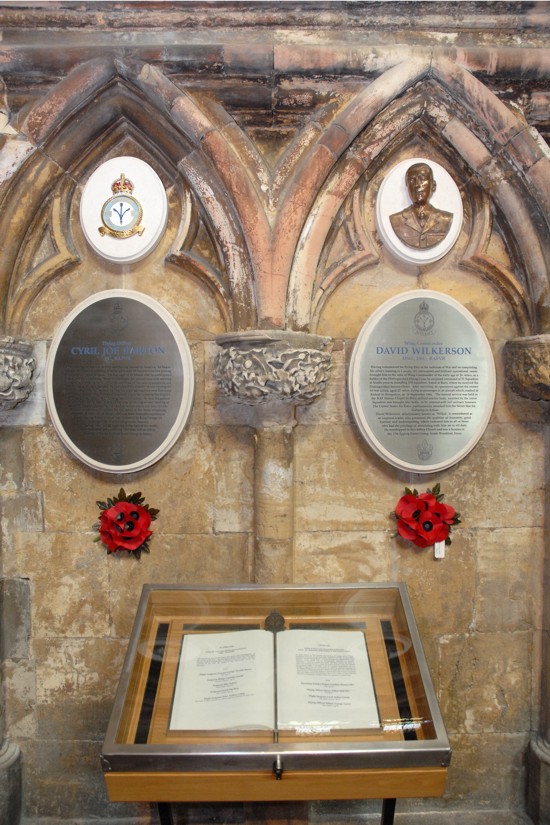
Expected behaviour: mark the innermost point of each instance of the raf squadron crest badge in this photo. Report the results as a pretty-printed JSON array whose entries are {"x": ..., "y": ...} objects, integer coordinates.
[{"x": 121, "y": 214}]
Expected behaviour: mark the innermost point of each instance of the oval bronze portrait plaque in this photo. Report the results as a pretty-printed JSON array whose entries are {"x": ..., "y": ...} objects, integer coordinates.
[
  {"x": 119, "y": 381},
  {"x": 422, "y": 381},
  {"x": 419, "y": 211}
]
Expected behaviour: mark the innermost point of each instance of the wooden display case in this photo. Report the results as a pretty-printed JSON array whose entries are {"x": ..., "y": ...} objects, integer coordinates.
[{"x": 406, "y": 756}]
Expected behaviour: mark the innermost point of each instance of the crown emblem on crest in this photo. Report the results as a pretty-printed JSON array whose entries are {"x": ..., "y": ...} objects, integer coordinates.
[
  {"x": 121, "y": 214},
  {"x": 122, "y": 185},
  {"x": 424, "y": 450},
  {"x": 423, "y": 320},
  {"x": 118, "y": 319}
]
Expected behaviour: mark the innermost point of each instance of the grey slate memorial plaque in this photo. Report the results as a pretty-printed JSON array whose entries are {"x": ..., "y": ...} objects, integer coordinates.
[
  {"x": 422, "y": 381},
  {"x": 119, "y": 381}
]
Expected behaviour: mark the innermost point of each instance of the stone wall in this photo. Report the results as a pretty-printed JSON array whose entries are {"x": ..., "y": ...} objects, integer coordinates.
[{"x": 272, "y": 127}]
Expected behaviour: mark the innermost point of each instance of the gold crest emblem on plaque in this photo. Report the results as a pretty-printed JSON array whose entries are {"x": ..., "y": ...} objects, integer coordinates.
[{"x": 121, "y": 214}]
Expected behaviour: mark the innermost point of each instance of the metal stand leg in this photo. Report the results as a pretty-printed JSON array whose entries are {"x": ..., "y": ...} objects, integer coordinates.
[
  {"x": 165, "y": 813},
  {"x": 388, "y": 811}
]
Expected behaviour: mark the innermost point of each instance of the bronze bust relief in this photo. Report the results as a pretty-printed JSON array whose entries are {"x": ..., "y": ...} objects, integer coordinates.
[
  {"x": 421, "y": 225},
  {"x": 416, "y": 223}
]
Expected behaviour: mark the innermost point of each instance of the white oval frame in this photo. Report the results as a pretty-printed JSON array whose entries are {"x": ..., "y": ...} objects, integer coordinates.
[
  {"x": 148, "y": 191},
  {"x": 187, "y": 393},
  {"x": 394, "y": 197},
  {"x": 361, "y": 415}
]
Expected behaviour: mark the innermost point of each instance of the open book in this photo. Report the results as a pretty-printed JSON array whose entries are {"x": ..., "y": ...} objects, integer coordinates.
[{"x": 312, "y": 681}]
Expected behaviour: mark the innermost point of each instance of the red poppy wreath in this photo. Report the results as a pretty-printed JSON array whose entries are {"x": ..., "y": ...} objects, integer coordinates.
[
  {"x": 424, "y": 518},
  {"x": 124, "y": 524}
]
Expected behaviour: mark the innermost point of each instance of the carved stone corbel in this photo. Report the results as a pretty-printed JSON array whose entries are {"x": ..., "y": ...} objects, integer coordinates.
[
  {"x": 259, "y": 366},
  {"x": 17, "y": 369},
  {"x": 527, "y": 366}
]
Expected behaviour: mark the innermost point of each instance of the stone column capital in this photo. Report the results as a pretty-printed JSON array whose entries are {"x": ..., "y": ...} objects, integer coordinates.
[
  {"x": 17, "y": 367},
  {"x": 262, "y": 367},
  {"x": 527, "y": 366}
]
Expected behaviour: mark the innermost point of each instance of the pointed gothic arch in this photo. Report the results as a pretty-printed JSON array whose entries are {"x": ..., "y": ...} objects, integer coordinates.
[
  {"x": 269, "y": 256},
  {"x": 69, "y": 132},
  {"x": 489, "y": 140}
]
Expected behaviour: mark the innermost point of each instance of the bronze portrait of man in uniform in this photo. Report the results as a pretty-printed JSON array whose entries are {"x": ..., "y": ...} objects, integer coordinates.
[{"x": 421, "y": 225}]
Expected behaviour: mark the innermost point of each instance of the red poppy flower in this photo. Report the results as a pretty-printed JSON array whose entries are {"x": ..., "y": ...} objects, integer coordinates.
[
  {"x": 408, "y": 508},
  {"x": 423, "y": 518},
  {"x": 124, "y": 526},
  {"x": 445, "y": 512}
]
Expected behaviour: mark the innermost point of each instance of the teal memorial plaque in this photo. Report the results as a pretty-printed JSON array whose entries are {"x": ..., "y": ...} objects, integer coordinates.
[{"x": 422, "y": 381}]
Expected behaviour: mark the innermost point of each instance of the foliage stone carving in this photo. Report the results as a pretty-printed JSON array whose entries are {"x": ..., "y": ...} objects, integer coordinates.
[
  {"x": 527, "y": 366},
  {"x": 255, "y": 372},
  {"x": 17, "y": 367}
]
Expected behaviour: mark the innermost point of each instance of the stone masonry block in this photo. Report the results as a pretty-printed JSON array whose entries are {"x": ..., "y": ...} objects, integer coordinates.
[
  {"x": 69, "y": 584},
  {"x": 486, "y": 682},
  {"x": 339, "y": 557},
  {"x": 192, "y": 560},
  {"x": 15, "y": 615}
]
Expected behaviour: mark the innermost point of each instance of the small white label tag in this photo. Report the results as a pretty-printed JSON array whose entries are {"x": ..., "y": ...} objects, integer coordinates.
[{"x": 439, "y": 550}]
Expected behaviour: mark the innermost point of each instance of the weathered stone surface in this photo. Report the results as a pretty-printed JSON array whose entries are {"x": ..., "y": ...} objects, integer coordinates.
[
  {"x": 88, "y": 79},
  {"x": 76, "y": 681},
  {"x": 273, "y": 561},
  {"x": 485, "y": 682},
  {"x": 485, "y": 769},
  {"x": 62, "y": 567},
  {"x": 471, "y": 149},
  {"x": 438, "y": 608},
  {"x": 340, "y": 484},
  {"x": 20, "y": 511},
  {"x": 481, "y": 484},
  {"x": 58, "y": 472},
  {"x": 273, "y": 491},
  {"x": 15, "y": 616},
  {"x": 11, "y": 460},
  {"x": 60, "y": 774},
  {"x": 234, "y": 494},
  {"x": 339, "y": 557},
  {"x": 509, "y": 585},
  {"x": 190, "y": 560},
  {"x": 20, "y": 695}
]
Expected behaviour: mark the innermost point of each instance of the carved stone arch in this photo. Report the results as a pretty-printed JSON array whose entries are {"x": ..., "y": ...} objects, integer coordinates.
[
  {"x": 418, "y": 131},
  {"x": 503, "y": 160},
  {"x": 44, "y": 248},
  {"x": 93, "y": 107}
]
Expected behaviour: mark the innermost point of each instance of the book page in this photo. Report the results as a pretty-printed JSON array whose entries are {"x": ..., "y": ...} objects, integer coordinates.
[
  {"x": 225, "y": 680},
  {"x": 324, "y": 681}
]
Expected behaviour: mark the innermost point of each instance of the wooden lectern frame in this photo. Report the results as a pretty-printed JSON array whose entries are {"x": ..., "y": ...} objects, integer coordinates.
[{"x": 144, "y": 761}]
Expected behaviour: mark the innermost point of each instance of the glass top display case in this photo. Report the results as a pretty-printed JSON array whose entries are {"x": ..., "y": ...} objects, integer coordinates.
[{"x": 254, "y": 692}]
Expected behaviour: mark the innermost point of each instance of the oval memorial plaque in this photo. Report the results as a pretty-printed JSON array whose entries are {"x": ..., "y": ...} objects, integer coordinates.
[
  {"x": 119, "y": 381},
  {"x": 124, "y": 209},
  {"x": 422, "y": 381}
]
